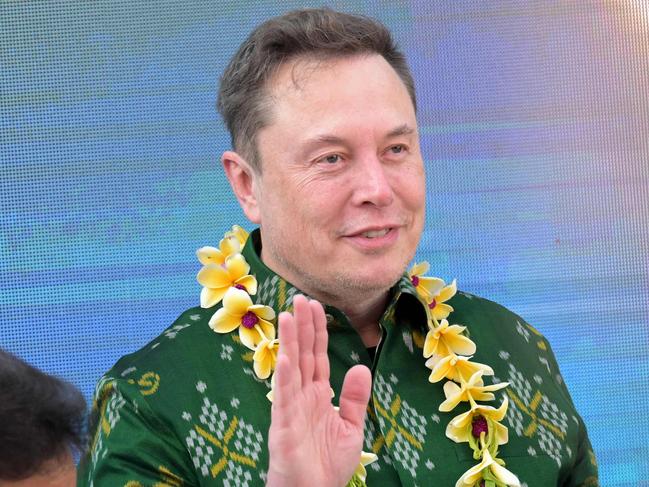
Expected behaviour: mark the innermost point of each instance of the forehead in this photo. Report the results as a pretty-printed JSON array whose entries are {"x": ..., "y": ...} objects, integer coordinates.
[
  {"x": 308, "y": 91},
  {"x": 297, "y": 75}
]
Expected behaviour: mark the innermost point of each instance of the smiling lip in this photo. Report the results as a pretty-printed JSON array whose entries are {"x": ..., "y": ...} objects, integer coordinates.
[{"x": 381, "y": 237}]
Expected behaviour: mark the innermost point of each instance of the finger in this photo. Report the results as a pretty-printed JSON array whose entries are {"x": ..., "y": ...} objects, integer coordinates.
[
  {"x": 305, "y": 333},
  {"x": 288, "y": 348},
  {"x": 321, "y": 338},
  {"x": 281, "y": 414},
  {"x": 355, "y": 395}
]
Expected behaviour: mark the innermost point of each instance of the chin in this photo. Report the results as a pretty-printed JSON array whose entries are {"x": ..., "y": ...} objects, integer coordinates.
[{"x": 382, "y": 277}]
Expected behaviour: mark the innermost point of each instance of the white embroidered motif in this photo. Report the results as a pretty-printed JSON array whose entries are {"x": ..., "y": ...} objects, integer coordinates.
[
  {"x": 223, "y": 445},
  {"x": 128, "y": 371},
  {"x": 174, "y": 330},
  {"x": 371, "y": 439},
  {"x": 226, "y": 351},
  {"x": 532, "y": 415},
  {"x": 110, "y": 416},
  {"x": 523, "y": 331},
  {"x": 407, "y": 340},
  {"x": 268, "y": 291},
  {"x": 403, "y": 428},
  {"x": 113, "y": 407}
]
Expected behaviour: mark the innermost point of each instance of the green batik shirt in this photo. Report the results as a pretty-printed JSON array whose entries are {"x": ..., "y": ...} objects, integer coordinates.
[{"x": 188, "y": 409}]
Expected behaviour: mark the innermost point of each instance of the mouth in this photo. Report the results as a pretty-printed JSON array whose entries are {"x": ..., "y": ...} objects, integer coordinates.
[
  {"x": 375, "y": 233},
  {"x": 374, "y": 239}
]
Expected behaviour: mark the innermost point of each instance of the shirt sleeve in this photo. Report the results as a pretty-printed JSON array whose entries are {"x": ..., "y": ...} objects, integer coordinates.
[
  {"x": 584, "y": 470},
  {"x": 129, "y": 445}
]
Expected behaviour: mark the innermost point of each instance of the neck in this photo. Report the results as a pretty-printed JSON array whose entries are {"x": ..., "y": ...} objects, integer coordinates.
[
  {"x": 364, "y": 317},
  {"x": 363, "y": 308},
  {"x": 362, "y": 305}
]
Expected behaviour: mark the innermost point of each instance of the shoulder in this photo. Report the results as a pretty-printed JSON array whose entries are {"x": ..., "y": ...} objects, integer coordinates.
[
  {"x": 170, "y": 368},
  {"x": 172, "y": 378},
  {"x": 518, "y": 352},
  {"x": 181, "y": 343},
  {"x": 506, "y": 340},
  {"x": 485, "y": 316}
]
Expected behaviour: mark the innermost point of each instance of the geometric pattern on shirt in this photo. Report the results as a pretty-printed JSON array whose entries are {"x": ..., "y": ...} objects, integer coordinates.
[
  {"x": 223, "y": 445},
  {"x": 403, "y": 428},
  {"x": 406, "y": 335},
  {"x": 172, "y": 332},
  {"x": 167, "y": 479},
  {"x": 524, "y": 330},
  {"x": 272, "y": 292},
  {"x": 532, "y": 415},
  {"x": 148, "y": 383},
  {"x": 109, "y": 415},
  {"x": 374, "y": 441}
]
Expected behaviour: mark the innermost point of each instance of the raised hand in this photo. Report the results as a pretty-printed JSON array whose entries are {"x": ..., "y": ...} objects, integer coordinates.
[{"x": 310, "y": 443}]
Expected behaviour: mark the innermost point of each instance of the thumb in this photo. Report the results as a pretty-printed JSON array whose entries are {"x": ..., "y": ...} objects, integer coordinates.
[{"x": 355, "y": 395}]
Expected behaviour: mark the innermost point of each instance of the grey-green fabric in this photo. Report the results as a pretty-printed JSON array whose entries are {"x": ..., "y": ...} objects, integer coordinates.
[{"x": 187, "y": 409}]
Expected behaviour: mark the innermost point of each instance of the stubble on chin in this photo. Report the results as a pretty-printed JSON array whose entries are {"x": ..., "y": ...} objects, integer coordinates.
[
  {"x": 348, "y": 288},
  {"x": 330, "y": 282}
]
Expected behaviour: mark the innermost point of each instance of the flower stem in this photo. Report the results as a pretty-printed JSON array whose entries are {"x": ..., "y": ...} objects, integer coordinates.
[{"x": 261, "y": 332}]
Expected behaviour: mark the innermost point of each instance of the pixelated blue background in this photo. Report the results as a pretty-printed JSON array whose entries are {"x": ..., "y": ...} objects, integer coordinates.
[{"x": 534, "y": 119}]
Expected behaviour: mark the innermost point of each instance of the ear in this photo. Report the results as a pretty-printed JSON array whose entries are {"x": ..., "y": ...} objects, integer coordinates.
[{"x": 243, "y": 179}]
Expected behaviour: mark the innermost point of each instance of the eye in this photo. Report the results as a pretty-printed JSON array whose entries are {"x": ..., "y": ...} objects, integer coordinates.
[
  {"x": 397, "y": 149},
  {"x": 331, "y": 159}
]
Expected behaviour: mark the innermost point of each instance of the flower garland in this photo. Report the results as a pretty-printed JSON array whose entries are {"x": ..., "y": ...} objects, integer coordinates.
[
  {"x": 449, "y": 351},
  {"x": 224, "y": 277}
]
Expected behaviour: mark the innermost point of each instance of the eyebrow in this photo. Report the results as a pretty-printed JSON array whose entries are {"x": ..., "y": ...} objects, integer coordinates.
[{"x": 404, "y": 129}]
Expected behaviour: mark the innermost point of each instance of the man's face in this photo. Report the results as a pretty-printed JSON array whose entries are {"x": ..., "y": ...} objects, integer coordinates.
[{"x": 341, "y": 193}]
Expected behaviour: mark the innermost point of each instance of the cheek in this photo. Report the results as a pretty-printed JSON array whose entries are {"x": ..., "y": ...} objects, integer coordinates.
[
  {"x": 323, "y": 202},
  {"x": 417, "y": 194},
  {"x": 296, "y": 215},
  {"x": 410, "y": 185}
]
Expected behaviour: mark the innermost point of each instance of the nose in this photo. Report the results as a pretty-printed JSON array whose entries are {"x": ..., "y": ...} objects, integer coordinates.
[{"x": 373, "y": 185}]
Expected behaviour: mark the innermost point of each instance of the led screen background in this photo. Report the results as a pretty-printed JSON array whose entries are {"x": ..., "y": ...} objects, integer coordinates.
[{"x": 533, "y": 118}]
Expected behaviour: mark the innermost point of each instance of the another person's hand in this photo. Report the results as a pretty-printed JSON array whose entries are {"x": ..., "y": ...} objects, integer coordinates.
[{"x": 310, "y": 443}]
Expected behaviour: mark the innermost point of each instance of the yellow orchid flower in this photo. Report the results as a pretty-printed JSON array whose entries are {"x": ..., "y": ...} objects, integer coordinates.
[
  {"x": 489, "y": 469},
  {"x": 253, "y": 320},
  {"x": 239, "y": 233},
  {"x": 445, "y": 340},
  {"x": 366, "y": 459},
  {"x": 426, "y": 287},
  {"x": 467, "y": 427},
  {"x": 436, "y": 304},
  {"x": 472, "y": 390},
  {"x": 454, "y": 367},
  {"x": 265, "y": 357},
  {"x": 211, "y": 255},
  {"x": 217, "y": 279}
]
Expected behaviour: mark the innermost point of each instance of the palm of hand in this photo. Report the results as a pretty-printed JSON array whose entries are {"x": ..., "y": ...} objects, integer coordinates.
[{"x": 310, "y": 441}]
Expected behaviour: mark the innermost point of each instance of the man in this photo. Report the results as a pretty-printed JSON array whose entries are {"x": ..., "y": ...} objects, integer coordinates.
[
  {"x": 41, "y": 424},
  {"x": 321, "y": 109}
]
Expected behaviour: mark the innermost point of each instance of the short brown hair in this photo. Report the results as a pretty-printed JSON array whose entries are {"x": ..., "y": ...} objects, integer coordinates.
[{"x": 311, "y": 33}]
